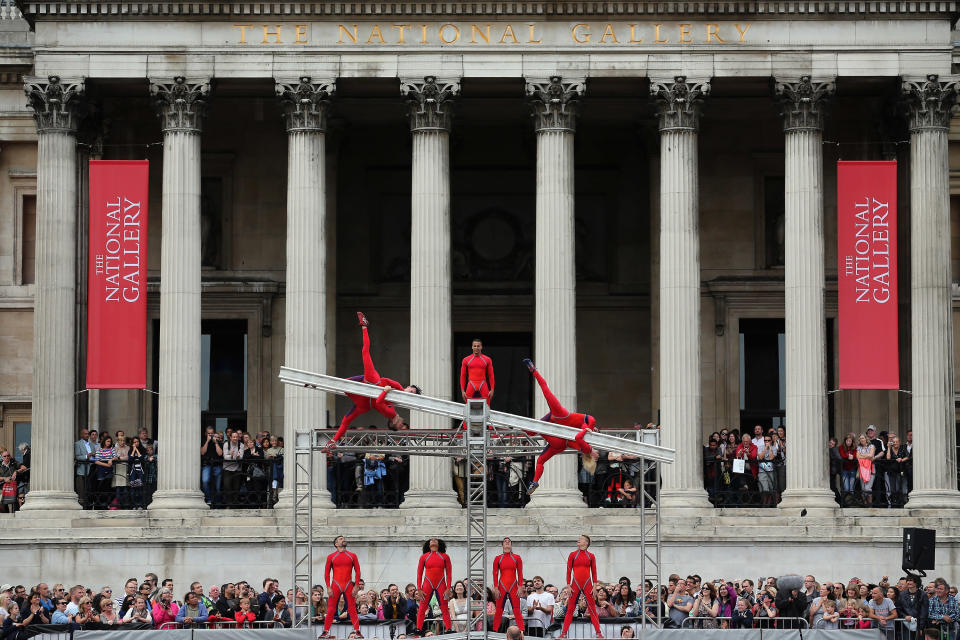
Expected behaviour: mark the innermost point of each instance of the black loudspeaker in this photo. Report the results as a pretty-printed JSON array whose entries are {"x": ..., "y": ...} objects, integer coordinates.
[{"x": 919, "y": 549}]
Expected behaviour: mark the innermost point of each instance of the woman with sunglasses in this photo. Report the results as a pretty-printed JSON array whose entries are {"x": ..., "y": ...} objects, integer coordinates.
[{"x": 706, "y": 607}]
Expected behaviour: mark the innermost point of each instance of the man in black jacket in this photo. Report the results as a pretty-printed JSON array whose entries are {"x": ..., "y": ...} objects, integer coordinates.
[{"x": 913, "y": 605}]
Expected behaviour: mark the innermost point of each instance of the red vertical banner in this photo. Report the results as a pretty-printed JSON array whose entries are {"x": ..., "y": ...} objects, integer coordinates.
[
  {"x": 117, "y": 283},
  {"x": 867, "y": 274}
]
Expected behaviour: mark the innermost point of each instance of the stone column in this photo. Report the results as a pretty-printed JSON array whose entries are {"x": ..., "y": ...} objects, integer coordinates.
[
  {"x": 934, "y": 440},
  {"x": 181, "y": 105},
  {"x": 679, "y": 103},
  {"x": 56, "y": 105},
  {"x": 808, "y": 483},
  {"x": 554, "y": 106},
  {"x": 431, "y": 339},
  {"x": 305, "y": 106}
]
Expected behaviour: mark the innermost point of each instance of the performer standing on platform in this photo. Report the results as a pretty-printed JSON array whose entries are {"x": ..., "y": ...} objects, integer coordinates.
[
  {"x": 507, "y": 578},
  {"x": 581, "y": 575},
  {"x": 476, "y": 374},
  {"x": 434, "y": 575},
  {"x": 559, "y": 415},
  {"x": 341, "y": 564},
  {"x": 361, "y": 404}
]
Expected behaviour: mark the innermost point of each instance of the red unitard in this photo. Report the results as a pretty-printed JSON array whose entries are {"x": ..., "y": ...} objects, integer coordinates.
[
  {"x": 341, "y": 564},
  {"x": 582, "y": 568},
  {"x": 434, "y": 576},
  {"x": 507, "y": 578},
  {"x": 361, "y": 404},
  {"x": 476, "y": 376},
  {"x": 559, "y": 415}
]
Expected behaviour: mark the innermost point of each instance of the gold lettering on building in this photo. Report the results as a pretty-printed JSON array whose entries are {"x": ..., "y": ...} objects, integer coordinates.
[
  {"x": 533, "y": 28},
  {"x": 609, "y": 33},
  {"x": 476, "y": 31},
  {"x": 743, "y": 31},
  {"x": 656, "y": 35},
  {"x": 495, "y": 33},
  {"x": 456, "y": 33},
  {"x": 713, "y": 31},
  {"x": 376, "y": 33},
  {"x": 267, "y": 33},
  {"x": 243, "y": 31},
  {"x": 575, "y": 33},
  {"x": 401, "y": 27},
  {"x": 345, "y": 32}
]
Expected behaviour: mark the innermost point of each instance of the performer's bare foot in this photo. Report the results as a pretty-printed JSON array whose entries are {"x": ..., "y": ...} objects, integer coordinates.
[
  {"x": 330, "y": 446},
  {"x": 529, "y": 363},
  {"x": 362, "y": 319}
]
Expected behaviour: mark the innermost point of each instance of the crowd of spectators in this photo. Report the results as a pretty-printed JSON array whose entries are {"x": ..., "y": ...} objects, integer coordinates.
[
  {"x": 900, "y": 608},
  {"x": 872, "y": 469},
  {"x": 245, "y": 470}
]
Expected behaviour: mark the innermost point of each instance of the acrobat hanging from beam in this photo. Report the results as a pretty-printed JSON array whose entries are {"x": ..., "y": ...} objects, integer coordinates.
[
  {"x": 362, "y": 405},
  {"x": 560, "y": 415}
]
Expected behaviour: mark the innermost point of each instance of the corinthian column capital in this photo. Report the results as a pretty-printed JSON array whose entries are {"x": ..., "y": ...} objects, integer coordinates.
[
  {"x": 555, "y": 103},
  {"x": 305, "y": 104},
  {"x": 929, "y": 102},
  {"x": 802, "y": 102},
  {"x": 57, "y": 104},
  {"x": 431, "y": 102},
  {"x": 180, "y": 103},
  {"x": 679, "y": 102}
]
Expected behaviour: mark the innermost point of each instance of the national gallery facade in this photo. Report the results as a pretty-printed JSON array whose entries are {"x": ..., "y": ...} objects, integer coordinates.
[{"x": 641, "y": 196}]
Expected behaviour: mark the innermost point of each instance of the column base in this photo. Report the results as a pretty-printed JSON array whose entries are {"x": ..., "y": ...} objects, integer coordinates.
[
  {"x": 546, "y": 498},
  {"x": 934, "y": 499},
  {"x": 51, "y": 501},
  {"x": 683, "y": 499},
  {"x": 430, "y": 499},
  {"x": 809, "y": 499},
  {"x": 321, "y": 499},
  {"x": 169, "y": 499}
]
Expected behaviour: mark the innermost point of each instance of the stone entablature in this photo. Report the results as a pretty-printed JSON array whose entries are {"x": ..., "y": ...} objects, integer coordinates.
[{"x": 94, "y": 8}]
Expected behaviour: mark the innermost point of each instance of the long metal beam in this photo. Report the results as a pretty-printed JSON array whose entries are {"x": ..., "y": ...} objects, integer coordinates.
[{"x": 450, "y": 409}]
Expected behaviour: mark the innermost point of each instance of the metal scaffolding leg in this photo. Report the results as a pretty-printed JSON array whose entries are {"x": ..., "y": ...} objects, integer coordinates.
[
  {"x": 649, "y": 507},
  {"x": 476, "y": 436},
  {"x": 302, "y": 524}
]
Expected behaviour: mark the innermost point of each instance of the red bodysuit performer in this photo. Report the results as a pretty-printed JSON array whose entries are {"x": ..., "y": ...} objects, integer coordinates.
[
  {"x": 476, "y": 374},
  {"x": 361, "y": 404},
  {"x": 434, "y": 574},
  {"x": 342, "y": 564},
  {"x": 507, "y": 578},
  {"x": 559, "y": 415},
  {"x": 581, "y": 574}
]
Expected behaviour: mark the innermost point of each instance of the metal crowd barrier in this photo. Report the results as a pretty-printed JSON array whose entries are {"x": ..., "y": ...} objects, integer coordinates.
[
  {"x": 758, "y": 623},
  {"x": 222, "y": 623}
]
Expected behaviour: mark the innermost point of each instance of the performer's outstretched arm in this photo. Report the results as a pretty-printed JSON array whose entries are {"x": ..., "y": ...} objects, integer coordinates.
[
  {"x": 326, "y": 573},
  {"x": 356, "y": 568},
  {"x": 490, "y": 380}
]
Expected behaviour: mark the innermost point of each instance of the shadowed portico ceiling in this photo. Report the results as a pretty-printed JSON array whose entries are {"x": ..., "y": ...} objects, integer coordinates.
[{"x": 81, "y": 9}]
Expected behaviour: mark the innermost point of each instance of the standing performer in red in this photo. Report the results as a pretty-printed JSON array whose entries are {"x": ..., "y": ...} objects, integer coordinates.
[
  {"x": 341, "y": 564},
  {"x": 559, "y": 415},
  {"x": 434, "y": 574},
  {"x": 581, "y": 574},
  {"x": 476, "y": 374},
  {"x": 361, "y": 404},
  {"x": 507, "y": 578}
]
